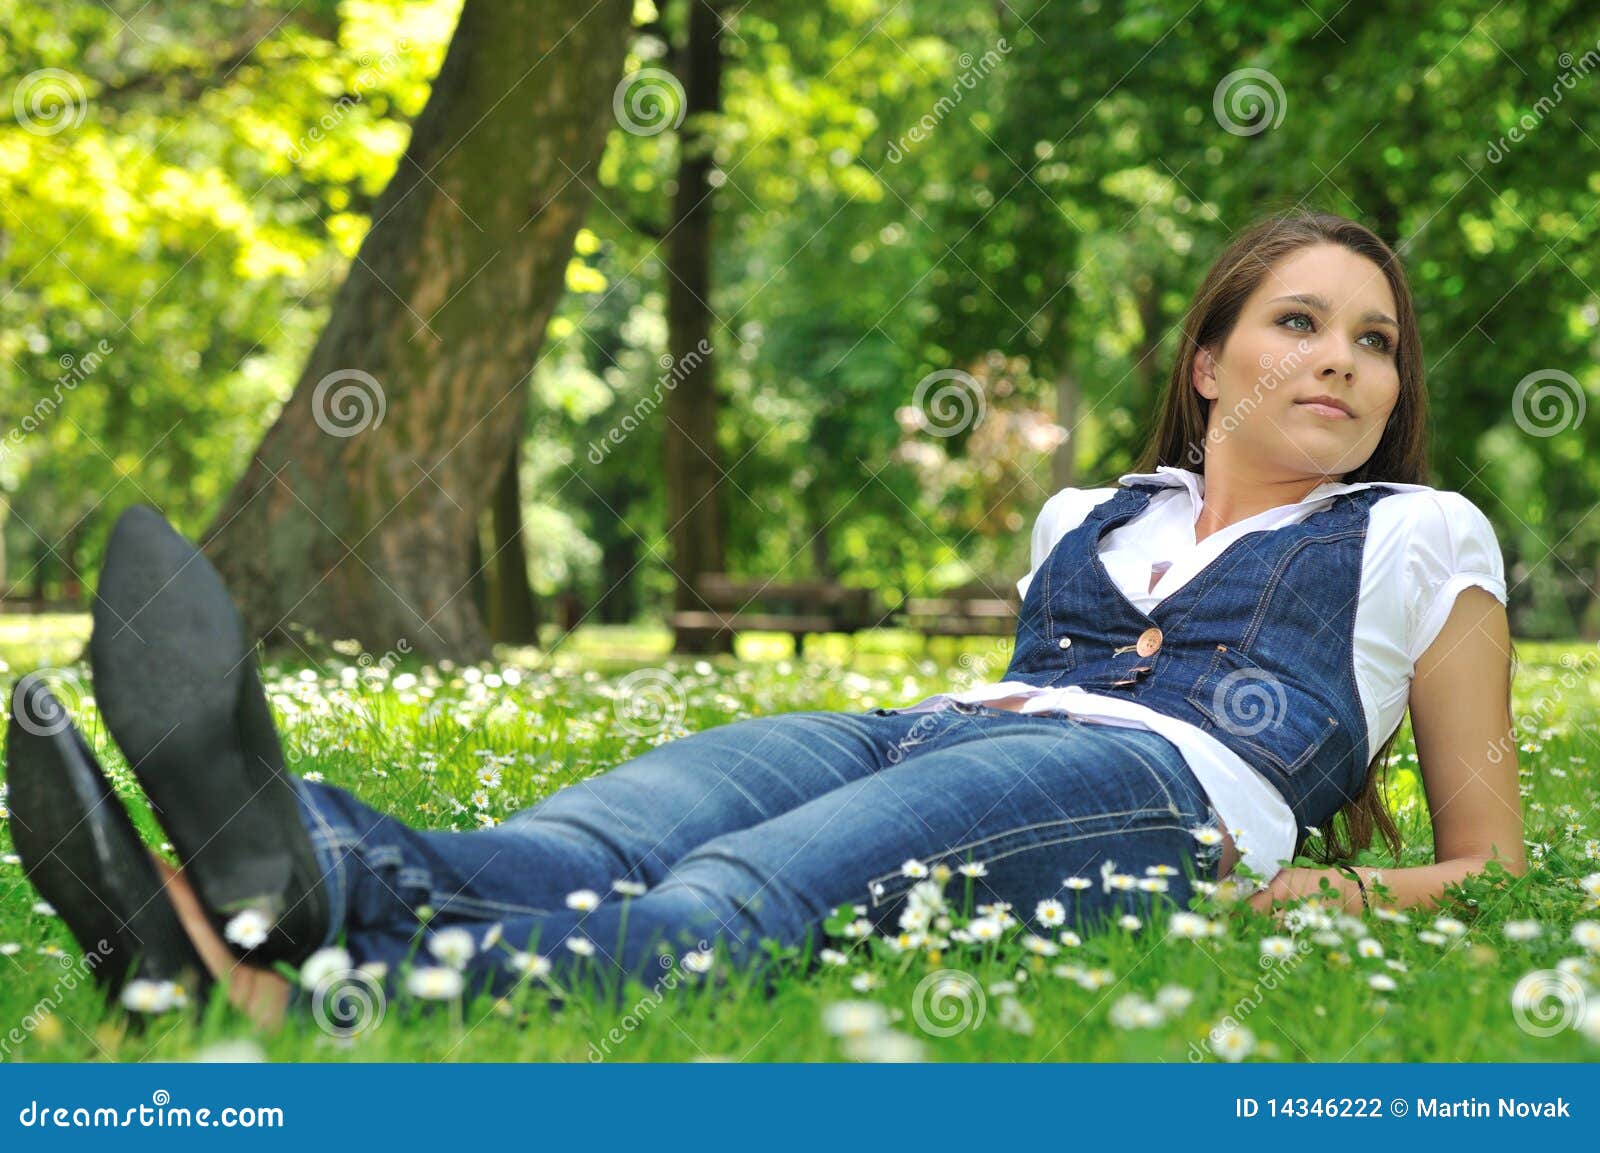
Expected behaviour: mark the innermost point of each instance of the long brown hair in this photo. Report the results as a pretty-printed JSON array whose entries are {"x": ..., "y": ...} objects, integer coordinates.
[{"x": 1401, "y": 454}]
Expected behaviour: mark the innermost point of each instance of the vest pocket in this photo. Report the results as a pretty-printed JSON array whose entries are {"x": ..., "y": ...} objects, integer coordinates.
[{"x": 1258, "y": 714}]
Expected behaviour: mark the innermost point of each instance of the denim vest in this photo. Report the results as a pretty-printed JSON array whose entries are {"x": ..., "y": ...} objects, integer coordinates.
[{"x": 1257, "y": 649}]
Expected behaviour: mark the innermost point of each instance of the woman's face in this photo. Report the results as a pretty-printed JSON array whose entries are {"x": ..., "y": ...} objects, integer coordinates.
[{"x": 1337, "y": 340}]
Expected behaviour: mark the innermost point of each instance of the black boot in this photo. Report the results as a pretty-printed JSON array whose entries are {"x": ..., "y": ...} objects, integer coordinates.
[
  {"x": 82, "y": 853},
  {"x": 176, "y": 680}
]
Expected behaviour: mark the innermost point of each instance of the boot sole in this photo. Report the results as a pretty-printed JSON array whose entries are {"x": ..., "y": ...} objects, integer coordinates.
[
  {"x": 81, "y": 851},
  {"x": 176, "y": 681}
]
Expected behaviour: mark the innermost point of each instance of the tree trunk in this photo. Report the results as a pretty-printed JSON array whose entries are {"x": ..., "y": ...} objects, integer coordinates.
[
  {"x": 692, "y": 466},
  {"x": 354, "y": 515},
  {"x": 515, "y": 613}
]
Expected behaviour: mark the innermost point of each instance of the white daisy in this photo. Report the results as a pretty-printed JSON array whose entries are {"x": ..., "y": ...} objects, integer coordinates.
[
  {"x": 1382, "y": 982},
  {"x": 532, "y": 964},
  {"x": 1050, "y": 913},
  {"x": 913, "y": 868},
  {"x": 1189, "y": 925},
  {"x": 699, "y": 960},
  {"x": 1235, "y": 1044},
  {"x": 854, "y": 1018},
  {"x": 1129, "y": 922},
  {"x": 142, "y": 996},
  {"x": 979, "y": 869},
  {"x": 323, "y": 964},
  {"x": 1077, "y": 883},
  {"x": 865, "y": 982},
  {"x": 833, "y": 957},
  {"x": 984, "y": 929},
  {"x": 582, "y": 899},
  {"x": 454, "y": 947},
  {"x": 630, "y": 888},
  {"x": 1449, "y": 926},
  {"x": 1173, "y": 998},
  {"x": 248, "y": 929},
  {"x": 435, "y": 983},
  {"x": 883, "y": 1046},
  {"x": 1522, "y": 930},
  {"x": 581, "y": 946},
  {"x": 1367, "y": 947},
  {"x": 1277, "y": 946},
  {"x": 44, "y": 908}
]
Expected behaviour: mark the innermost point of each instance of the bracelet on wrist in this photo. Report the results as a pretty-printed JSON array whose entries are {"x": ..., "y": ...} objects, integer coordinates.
[{"x": 1350, "y": 872}]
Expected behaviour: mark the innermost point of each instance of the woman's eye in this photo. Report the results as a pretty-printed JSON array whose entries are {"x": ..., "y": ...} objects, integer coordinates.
[
  {"x": 1384, "y": 343},
  {"x": 1294, "y": 316}
]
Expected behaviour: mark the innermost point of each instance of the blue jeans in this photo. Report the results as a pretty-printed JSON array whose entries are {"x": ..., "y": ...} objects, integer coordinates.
[{"x": 762, "y": 827}]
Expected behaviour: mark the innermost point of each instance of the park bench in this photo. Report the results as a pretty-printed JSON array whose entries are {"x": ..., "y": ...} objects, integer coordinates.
[
  {"x": 761, "y": 604},
  {"x": 971, "y": 610}
]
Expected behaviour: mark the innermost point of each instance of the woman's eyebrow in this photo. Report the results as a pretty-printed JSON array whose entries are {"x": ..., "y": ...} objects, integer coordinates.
[{"x": 1321, "y": 303}]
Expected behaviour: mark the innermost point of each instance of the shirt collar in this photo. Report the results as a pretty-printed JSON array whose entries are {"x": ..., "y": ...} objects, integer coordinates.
[{"x": 1171, "y": 476}]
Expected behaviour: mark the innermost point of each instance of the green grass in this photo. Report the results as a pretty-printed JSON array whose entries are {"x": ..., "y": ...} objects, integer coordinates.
[{"x": 348, "y": 720}]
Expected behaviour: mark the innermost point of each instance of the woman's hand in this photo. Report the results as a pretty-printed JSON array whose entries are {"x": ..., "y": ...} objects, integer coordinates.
[{"x": 1297, "y": 884}]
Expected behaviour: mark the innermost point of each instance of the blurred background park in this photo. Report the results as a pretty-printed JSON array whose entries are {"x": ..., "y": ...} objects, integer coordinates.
[{"x": 787, "y": 315}]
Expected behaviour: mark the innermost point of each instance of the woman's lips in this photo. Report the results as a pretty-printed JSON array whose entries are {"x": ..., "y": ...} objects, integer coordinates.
[{"x": 1326, "y": 410}]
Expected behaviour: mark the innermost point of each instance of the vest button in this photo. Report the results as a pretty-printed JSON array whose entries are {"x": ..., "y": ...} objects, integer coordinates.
[
  {"x": 1149, "y": 643},
  {"x": 1064, "y": 643}
]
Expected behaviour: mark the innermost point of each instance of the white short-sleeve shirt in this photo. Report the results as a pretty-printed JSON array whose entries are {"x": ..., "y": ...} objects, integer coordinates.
[{"x": 1423, "y": 547}]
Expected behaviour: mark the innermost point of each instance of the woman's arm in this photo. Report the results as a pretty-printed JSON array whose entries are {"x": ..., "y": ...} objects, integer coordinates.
[{"x": 1467, "y": 752}]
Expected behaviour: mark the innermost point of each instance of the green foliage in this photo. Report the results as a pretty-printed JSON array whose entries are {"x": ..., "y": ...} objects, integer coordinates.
[{"x": 1025, "y": 192}]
